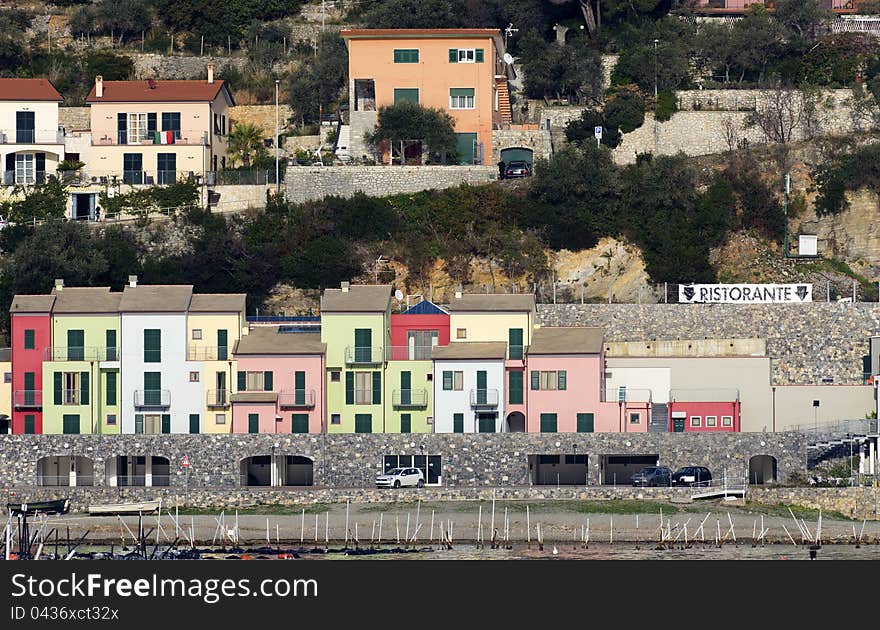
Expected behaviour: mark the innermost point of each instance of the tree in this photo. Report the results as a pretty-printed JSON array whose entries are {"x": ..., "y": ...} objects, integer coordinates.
[
  {"x": 581, "y": 131},
  {"x": 323, "y": 262},
  {"x": 245, "y": 143},
  {"x": 408, "y": 14},
  {"x": 319, "y": 84},
  {"x": 41, "y": 201},
  {"x": 625, "y": 109},
  {"x": 778, "y": 113},
  {"x": 573, "y": 70},
  {"x": 802, "y": 20},
  {"x": 757, "y": 38},
  {"x": 404, "y": 124}
]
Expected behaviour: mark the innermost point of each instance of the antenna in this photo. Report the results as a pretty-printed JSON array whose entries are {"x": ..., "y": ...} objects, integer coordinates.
[
  {"x": 508, "y": 58},
  {"x": 398, "y": 295}
]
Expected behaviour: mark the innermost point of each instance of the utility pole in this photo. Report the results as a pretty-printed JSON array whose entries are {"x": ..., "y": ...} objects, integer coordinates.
[
  {"x": 656, "y": 41},
  {"x": 277, "y": 166}
]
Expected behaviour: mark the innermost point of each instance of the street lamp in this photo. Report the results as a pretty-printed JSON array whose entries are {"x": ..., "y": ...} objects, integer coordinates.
[
  {"x": 656, "y": 41},
  {"x": 277, "y": 167}
]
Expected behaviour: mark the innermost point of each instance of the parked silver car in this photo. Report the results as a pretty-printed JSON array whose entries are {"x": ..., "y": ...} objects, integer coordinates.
[{"x": 400, "y": 477}]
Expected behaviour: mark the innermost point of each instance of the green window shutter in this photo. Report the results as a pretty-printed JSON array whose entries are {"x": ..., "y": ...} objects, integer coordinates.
[
  {"x": 29, "y": 424},
  {"x": 57, "y": 387},
  {"x": 453, "y": 55},
  {"x": 406, "y": 94},
  {"x": 405, "y": 423},
  {"x": 242, "y": 381},
  {"x": 30, "y": 388},
  {"x": 548, "y": 423},
  {"x": 152, "y": 346},
  {"x": 110, "y": 342},
  {"x": 299, "y": 423},
  {"x": 70, "y": 424},
  {"x": 349, "y": 388},
  {"x": 363, "y": 423},
  {"x": 166, "y": 423},
  {"x": 111, "y": 389},
  {"x": 461, "y": 91},
  {"x": 193, "y": 423},
  {"x": 138, "y": 423},
  {"x": 536, "y": 380},
  {"x": 299, "y": 387},
  {"x": 253, "y": 423},
  {"x": 515, "y": 343},
  {"x": 29, "y": 339},
  {"x": 458, "y": 423},
  {"x": 267, "y": 382},
  {"x": 561, "y": 379},
  {"x": 515, "y": 395},
  {"x": 377, "y": 388},
  {"x": 75, "y": 345},
  {"x": 406, "y": 55},
  {"x": 447, "y": 380},
  {"x": 479, "y": 55},
  {"x": 406, "y": 388},
  {"x": 84, "y": 388},
  {"x": 222, "y": 345},
  {"x": 585, "y": 423},
  {"x": 486, "y": 423}
]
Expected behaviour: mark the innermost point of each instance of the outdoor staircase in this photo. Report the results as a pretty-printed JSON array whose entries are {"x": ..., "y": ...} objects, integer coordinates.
[
  {"x": 503, "y": 100},
  {"x": 659, "y": 418},
  {"x": 343, "y": 141}
]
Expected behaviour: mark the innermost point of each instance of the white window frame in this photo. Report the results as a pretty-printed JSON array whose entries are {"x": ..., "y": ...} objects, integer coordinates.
[
  {"x": 467, "y": 102},
  {"x": 461, "y": 333},
  {"x": 25, "y": 168},
  {"x": 193, "y": 377},
  {"x": 363, "y": 395},
  {"x": 335, "y": 418},
  {"x": 696, "y": 421},
  {"x": 197, "y": 334},
  {"x": 637, "y": 415},
  {"x": 711, "y": 421},
  {"x": 457, "y": 381},
  {"x": 470, "y": 55},
  {"x": 136, "y": 126},
  {"x": 219, "y": 418},
  {"x": 726, "y": 421}
]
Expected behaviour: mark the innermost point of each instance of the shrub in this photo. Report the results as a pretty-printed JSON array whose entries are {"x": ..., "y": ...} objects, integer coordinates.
[{"x": 666, "y": 105}]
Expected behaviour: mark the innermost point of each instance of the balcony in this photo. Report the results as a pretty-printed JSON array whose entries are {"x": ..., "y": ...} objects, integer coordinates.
[
  {"x": 218, "y": 398},
  {"x": 297, "y": 398},
  {"x": 23, "y": 178},
  {"x": 364, "y": 355},
  {"x": 485, "y": 398},
  {"x": 408, "y": 353},
  {"x": 409, "y": 398},
  {"x": 31, "y": 136},
  {"x": 152, "y": 398},
  {"x": 208, "y": 353},
  {"x": 28, "y": 399},
  {"x": 190, "y": 137},
  {"x": 81, "y": 353}
]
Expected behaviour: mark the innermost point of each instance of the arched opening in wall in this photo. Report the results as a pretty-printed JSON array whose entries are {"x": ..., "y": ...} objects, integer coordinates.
[
  {"x": 515, "y": 155},
  {"x": 516, "y": 422},
  {"x": 5, "y": 424},
  {"x": 762, "y": 469},
  {"x": 298, "y": 471},
  {"x": 65, "y": 470},
  {"x": 161, "y": 472},
  {"x": 137, "y": 470},
  {"x": 256, "y": 470}
]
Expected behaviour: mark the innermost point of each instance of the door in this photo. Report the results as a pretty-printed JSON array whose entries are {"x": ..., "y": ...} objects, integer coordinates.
[
  {"x": 152, "y": 389},
  {"x": 29, "y": 389},
  {"x": 405, "y": 391},
  {"x": 25, "y": 128},
  {"x": 363, "y": 341},
  {"x": 299, "y": 389},
  {"x": 253, "y": 423},
  {"x": 405, "y": 423},
  {"x": 678, "y": 425},
  {"x": 486, "y": 422},
  {"x": 70, "y": 424},
  {"x": 515, "y": 343},
  {"x": 193, "y": 423},
  {"x": 299, "y": 423},
  {"x": 482, "y": 394},
  {"x": 467, "y": 147},
  {"x": 220, "y": 397},
  {"x": 75, "y": 345},
  {"x": 222, "y": 345}
]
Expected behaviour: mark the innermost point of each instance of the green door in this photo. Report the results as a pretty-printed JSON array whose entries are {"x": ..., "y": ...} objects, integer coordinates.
[
  {"x": 193, "y": 423},
  {"x": 482, "y": 394},
  {"x": 363, "y": 423},
  {"x": 222, "y": 345},
  {"x": 29, "y": 389},
  {"x": 70, "y": 424},
  {"x": 458, "y": 423},
  {"x": 515, "y": 387},
  {"x": 405, "y": 423},
  {"x": 363, "y": 341},
  {"x": 585, "y": 423},
  {"x": 166, "y": 423},
  {"x": 30, "y": 424},
  {"x": 299, "y": 423},
  {"x": 486, "y": 422},
  {"x": 253, "y": 423},
  {"x": 467, "y": 147},
  {"x": 110, "y": 343},
  {"x": 152, "y": 389},
  {"x": 678, "y": 425},
  {"x": 405, "y": 391},
  {"x": 548, "y": 423},
  {"x": 515, "y": 343},
  {"x": 75, "y": 345}
]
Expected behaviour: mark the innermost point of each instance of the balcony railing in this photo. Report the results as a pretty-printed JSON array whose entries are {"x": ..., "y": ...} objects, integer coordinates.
[
  {"x": 11, "y": 178},
  {"x": 707, "y": 394},
  {"x": 484, "y": 398},
  {"x": 81, "y": 353},
  {"x": 364, "y": 355},
  {"x": 152, "y": 398},
  {"x": 28, "y": 398},
  {"x": 409, "y": 397},
  {"x": 218, "y": 397},
  {"x": 191, "y": 137},
  {"x": 208, "y": 353},
  {"x": 408, "y": 353},
  {"x": 293, "y": 398},
  {"x": 71, "y": 397},
  {"x": 31, "y": 136},
  {"x": 625, "y": 394}
]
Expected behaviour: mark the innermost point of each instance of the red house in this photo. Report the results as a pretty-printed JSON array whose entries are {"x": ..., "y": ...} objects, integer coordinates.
[
  {"x": 31, "y": 331},
  {"x": 720, "y": 416},
  {"x": 415, "y": 330}
]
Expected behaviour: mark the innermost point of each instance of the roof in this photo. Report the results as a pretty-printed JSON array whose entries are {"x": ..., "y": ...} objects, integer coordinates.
[
  {"x": 156, "y": 298},
  {"x": 470, "y": 350},
  {"x": 425, "y": 308},
  {"x": 360, "y": 298},
  {"x": 163, "y": 92},
  {"x": 518, "y": 302},
  {"x": 408, "y": 33},
  {"x": 218, "y": 302},
  {"x": 86, "y": 300},
  {"x": 255, "y": 397},
  {"x": 268, "y": 340},
  {"x": 567, "y": 340},
  {"x": 32, "y": 304},
  {"x": 28, "y": 90}
]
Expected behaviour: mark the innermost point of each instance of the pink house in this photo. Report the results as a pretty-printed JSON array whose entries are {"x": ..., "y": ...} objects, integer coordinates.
[
  {"x": 565, "y": 369},
  {"x": 280, "y": 386}
]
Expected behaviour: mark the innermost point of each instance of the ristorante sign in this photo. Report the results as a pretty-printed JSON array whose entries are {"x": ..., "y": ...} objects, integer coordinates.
[{"x": 745, "y": 293}]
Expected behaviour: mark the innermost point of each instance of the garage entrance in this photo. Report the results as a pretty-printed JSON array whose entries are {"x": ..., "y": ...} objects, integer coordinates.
[
  {"x": 298, "y": 471},
  {"x": 516, "y": 422},
  {"x": 762, "y": 469},
  {"x": 514, "y": 154},
  {"x": 559, "y": 470},
  {"x": 619, "y": 469},
  {"x": 256, "y": 471},
  {"x": 428, "y": 464}
]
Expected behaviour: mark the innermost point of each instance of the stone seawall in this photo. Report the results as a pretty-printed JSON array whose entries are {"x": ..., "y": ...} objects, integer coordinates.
[
  {"x": 808, "y": 342},
  {"x": 307, "y": 183},
  {"x": 856, "y": 503}
]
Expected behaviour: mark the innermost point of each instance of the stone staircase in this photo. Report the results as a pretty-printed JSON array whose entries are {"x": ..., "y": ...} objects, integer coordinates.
[
  {"x": 503, "y": 100},
  {"x": 343, "y": 141},
  {"x": 659, "y": 418}
]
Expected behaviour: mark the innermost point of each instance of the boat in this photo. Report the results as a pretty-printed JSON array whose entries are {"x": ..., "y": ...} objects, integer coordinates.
[
  {"x": 54, "y": 506},
  {"x": 138, "y": 507}
]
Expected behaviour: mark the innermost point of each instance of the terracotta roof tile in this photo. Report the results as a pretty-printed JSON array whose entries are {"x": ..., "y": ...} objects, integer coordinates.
[
  {"x": 163, "y": 92},
  {"x": 28, "y": 90}
]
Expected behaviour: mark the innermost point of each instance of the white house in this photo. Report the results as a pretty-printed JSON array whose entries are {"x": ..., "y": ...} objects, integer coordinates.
[
  {"x": 469, "y": 387},
  {"x": 31, "y": 144}
]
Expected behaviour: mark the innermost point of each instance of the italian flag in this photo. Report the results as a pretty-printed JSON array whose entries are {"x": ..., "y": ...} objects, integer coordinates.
[{"x": 164, "y": 137}]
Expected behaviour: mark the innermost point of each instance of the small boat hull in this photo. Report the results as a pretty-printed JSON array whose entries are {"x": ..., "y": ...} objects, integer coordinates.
[
  {"x": 56, "y": 506},
  {"x": 139, "y": 507}
]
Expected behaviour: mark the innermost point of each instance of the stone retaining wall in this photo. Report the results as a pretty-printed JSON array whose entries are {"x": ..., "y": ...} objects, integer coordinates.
[
  {"x": 74, "y": 118},
  {"x": 157, "y": 66},
  {"x": 856, "y": 503},
  {"x": 538, "y": 140},
  {"x": 307, "y": 183}
]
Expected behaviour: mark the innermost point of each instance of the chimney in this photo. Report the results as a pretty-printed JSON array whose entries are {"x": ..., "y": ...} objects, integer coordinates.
[
  {"x": 344, "y": 286},
  {"x": 458, "y": 295},
  {"x": 59, "y": 284},
  {"x": 99, "y": 86},
  {"x": 132, "y": 281},
  {"x": 210, "y": 73}
]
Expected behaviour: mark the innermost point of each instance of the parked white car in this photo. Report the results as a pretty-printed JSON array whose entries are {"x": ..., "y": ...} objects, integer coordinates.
[{"x": 400, "y": 477}]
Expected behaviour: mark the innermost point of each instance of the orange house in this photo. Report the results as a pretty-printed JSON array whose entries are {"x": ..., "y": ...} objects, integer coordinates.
[{"x": 458, "y": 70}]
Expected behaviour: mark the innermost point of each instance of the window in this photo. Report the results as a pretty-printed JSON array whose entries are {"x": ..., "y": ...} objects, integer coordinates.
[
  {"x": 111, "y": 418},
  {"x": 429, "y": 420},
  {"x": 458, "y": 423},
  {"x": 110, "y": 352},
  {"x": 711, "y": 421},
  {"x": 222, "y": 344},
  {"x": 171, "y": 122},
  {"x": 406, "y": 55},
  {"x": 635, "y": 418},
  {"x": 132, "y": 168},
  {"x": 515, "y": 343},
  {"x": 548, "y": 423},
  {"x": 453, "y": 381},
  {"x": 197, "y": 333},
  {"x": 696, "y": 421},
  {"x": 549, "y": 380},
  {"x": 585, "y": 423},
  {"x": 152, "y": 345},
  {"x": 28, "y": 339},
  {"x": 152, "y": 389},
  {"x": 25, "y": 127},
  {"x": 219, "y": 418},
  {"x": 71, "y": 388},
  {"x": 335, "y": 418},
  {"x": 515, "y": 387},
  {"x": 29, "y": 424},
  {"x": 363, "y": 388},
  {"x": 461, "y": 333},
  {"x": 429, "y": 377},
  {"x": 461, "y": 98},
  {"x": 726, "y": 421},
  {"x": 335, "y": 376},
  {"x": 299, "y": 423},
  {"x": 166, "y": 168},
  {"x": 111, "y": 388},
  {"x": 406, "y": 423},
  {"x": 70, "y": 424},
  {"x": 138, "y": 128},
  {"x": 75, "y": 345},
  {"x": 25, "y": 168},
  {"x": 363, "y": 423},
  {"x": 193, "y": 377},
  {"x": 419, "y": 343},
  {"x": 406, "y": 94},
  {"x": 7, "y": 377},
  {"x": 465, "y": 55},
  {"x": 255, "y": 381},
  {"x": 253, "y": 423},
  {"x": 193, "y": 423}
]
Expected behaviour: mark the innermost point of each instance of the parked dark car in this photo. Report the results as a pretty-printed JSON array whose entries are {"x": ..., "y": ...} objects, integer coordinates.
[
  {"x": 653, "y": 476},
  {"x": 517, "y": 168},
  {"x": 691, "y": 475}
]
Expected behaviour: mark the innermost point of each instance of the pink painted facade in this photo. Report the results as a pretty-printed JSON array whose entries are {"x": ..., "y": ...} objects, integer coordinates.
[
  {"x": 284, "y": 369},
  {"x": 707, "y": 417},
  {"x": 27, "y": 367}
]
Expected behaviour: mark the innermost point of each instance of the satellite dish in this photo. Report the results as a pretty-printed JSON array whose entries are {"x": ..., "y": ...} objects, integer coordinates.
[
  {"x": 508, "y": 58},
  {"x": 398, "y": 295}
]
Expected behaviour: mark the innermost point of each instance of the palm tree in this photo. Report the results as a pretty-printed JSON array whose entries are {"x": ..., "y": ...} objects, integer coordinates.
[{"x": 245, "y": 142}]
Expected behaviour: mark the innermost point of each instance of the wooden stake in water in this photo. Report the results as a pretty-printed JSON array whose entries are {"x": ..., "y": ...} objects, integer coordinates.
[
  {"x": 326, "y": 527},
  {"x": 492, "y": 531},
  {"x": 397, "y": 527},
  {"x": 302, "y": 527},
  {"x": 316, "y": 528},
  {"x": 373, "y": 533},
  {"x": 528, "y": 528},
  {"x": 431, "y": 541},
  {"x": 406, "y": 535},
  {"x": 346, "y": 522},
  {"x": 381, "y": 515},
  {"x": 479, "y": 525}
]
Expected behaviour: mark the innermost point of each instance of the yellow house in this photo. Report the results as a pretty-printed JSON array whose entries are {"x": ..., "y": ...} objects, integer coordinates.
[
  {"x": 216, "y": 321},
  {"x": 156, "y": 132},
  {"x": 6, "y": 391},
  {"x": 493, "y": 317}
]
